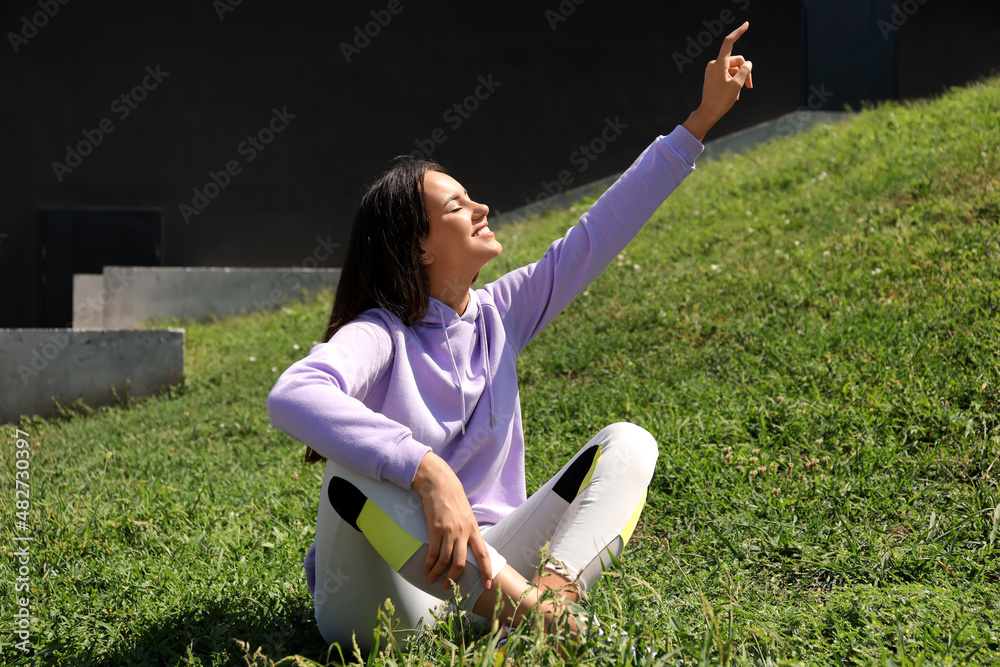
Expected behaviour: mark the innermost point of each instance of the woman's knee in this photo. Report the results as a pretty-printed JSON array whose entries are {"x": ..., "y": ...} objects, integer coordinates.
[{"x": 634, "y": 449}]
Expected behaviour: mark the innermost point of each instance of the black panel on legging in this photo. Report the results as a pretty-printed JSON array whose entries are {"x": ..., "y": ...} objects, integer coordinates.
[
  {"x": 347, "y": 500},
  {"x": 569, "y": 484}
]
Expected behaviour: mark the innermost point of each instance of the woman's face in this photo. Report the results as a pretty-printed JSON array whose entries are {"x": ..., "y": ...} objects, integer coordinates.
[{"x": 459, "y": 242}]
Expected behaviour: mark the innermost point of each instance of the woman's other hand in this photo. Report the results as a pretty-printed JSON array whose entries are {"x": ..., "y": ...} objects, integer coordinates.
[
  {"x": 724, "y": 79},
  {"x": 452, "y": 526}
]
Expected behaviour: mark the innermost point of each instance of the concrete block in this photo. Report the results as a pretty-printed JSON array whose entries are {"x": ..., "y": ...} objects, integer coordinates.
[
  {"x": 88, "y": 304},
  {"x": 135, "y": 295},
  {"x": 68, "y": 364}
]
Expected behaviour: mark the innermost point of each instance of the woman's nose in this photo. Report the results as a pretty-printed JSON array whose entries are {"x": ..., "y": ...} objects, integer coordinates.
[{"x": 484, "y": 210}]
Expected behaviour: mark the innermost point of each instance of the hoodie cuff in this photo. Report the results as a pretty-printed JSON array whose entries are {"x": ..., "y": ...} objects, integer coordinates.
[
  {"x": 400, "y": 467},
  {"x": 684, "y": 144}
]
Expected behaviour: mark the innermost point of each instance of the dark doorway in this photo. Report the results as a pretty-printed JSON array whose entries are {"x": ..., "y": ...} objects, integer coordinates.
[
  {"x": 849, "y": 52},
  {"x": 85, "y": 241}
]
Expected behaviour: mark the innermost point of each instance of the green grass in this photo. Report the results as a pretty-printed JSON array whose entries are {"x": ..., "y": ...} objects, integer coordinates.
[{"x": 812, "y": 336}]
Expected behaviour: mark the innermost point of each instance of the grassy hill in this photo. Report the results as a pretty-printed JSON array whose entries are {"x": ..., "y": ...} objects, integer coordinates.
[{"x": 811, "y": 331}]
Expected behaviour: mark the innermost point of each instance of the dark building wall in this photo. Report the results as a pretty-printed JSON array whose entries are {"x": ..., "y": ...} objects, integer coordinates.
[
  {"x": 848, "y": 53},
  {"x": 944, "y": 44},
  {"x": 558, "y": 72},
  {"x": 869, "y": 50}
]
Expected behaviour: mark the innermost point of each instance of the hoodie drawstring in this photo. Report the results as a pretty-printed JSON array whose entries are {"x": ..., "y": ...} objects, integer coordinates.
[
  {"x": 486, "y": 362},
  {"x": 458, "y": 375}
]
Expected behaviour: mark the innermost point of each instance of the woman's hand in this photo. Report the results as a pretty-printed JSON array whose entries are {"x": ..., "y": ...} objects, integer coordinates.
[
  {"x": 452, "y": 526},
  {"x": 724, "y": 79}
]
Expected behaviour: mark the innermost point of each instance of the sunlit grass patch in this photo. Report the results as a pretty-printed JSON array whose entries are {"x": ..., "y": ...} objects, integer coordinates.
[{"x": 810, "y": 331}]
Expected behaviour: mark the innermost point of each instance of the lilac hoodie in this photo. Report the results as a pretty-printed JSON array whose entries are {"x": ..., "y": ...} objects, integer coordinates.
[{"x": 379, "y": 395}]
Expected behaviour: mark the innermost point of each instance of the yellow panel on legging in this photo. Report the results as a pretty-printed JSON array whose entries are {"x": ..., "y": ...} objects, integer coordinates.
[{"x": 391, "y": 542}]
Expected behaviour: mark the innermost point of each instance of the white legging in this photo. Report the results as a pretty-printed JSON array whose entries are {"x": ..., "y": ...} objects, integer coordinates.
[{"x": 371, "y": 536}]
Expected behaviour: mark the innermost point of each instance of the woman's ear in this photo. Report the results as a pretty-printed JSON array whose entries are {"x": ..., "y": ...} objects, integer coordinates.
[{"x": 425, "y": 257}]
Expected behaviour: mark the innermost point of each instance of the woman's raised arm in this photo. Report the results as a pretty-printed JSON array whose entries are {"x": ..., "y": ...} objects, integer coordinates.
[{"x": 530, "y": 297}]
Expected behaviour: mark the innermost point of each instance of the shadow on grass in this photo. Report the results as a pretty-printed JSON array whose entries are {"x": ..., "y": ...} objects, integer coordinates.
[{"x": 209, "y": 633}]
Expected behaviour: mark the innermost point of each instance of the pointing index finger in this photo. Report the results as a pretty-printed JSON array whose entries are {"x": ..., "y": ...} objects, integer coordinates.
[{"x": 727, "y": 43}]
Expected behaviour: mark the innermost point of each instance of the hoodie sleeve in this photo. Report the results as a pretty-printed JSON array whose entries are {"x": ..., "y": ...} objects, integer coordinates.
[
  {"x": 320, "y": 401},
  {"x": 529, "y": 298}
]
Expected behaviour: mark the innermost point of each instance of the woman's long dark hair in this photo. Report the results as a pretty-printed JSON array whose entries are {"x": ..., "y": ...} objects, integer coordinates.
[{"x": 382, "y": 266}]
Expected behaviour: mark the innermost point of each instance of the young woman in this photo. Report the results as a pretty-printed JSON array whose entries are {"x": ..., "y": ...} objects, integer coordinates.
[{"x": 412, "y": 400}]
